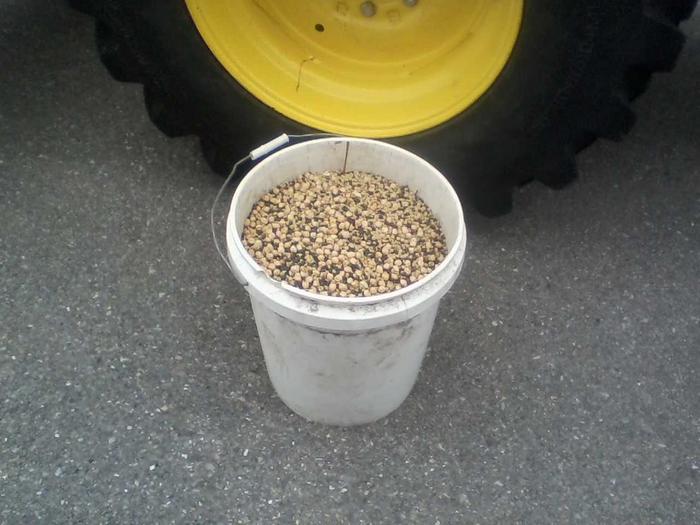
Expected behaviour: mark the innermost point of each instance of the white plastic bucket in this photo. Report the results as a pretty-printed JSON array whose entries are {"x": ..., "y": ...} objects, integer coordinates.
[{"x": 345, "y": 361}]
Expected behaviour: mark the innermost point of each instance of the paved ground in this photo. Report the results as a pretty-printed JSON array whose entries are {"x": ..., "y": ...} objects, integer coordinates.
[{"x": 562, "y": 385}]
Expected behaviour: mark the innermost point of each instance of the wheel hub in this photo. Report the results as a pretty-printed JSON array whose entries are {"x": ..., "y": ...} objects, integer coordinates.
[{"x": 376, "y": 68}]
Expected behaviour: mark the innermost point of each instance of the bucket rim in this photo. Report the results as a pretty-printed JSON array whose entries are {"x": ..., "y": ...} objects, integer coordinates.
[{"x": 233, "y": 233}]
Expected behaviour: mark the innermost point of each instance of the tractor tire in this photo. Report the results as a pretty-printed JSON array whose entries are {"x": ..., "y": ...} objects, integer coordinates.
[{"x": 569, "y": 80}]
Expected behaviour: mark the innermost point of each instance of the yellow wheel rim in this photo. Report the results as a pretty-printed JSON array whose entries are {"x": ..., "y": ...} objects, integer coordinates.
[{"x": 381, "y": 68}]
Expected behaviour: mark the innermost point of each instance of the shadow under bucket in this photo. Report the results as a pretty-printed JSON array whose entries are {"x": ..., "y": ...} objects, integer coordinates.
[{"x": 336, "y": 360}]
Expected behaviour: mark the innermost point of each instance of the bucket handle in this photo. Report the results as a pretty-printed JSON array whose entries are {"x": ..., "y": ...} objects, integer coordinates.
[{"x": 254, "y": 156}]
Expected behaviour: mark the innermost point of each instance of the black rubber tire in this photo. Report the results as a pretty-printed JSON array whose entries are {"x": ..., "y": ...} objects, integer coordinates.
[
  {"x": 115, "y": 55},
  {"x": 572, "y": 74}
]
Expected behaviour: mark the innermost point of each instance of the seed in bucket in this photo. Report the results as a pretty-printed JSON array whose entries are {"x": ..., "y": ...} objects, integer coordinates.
[{"x": 344, "y": 234}]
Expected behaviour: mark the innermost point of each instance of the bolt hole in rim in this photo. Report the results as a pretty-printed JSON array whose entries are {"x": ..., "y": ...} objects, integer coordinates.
[{"x": 406, "y": 67}]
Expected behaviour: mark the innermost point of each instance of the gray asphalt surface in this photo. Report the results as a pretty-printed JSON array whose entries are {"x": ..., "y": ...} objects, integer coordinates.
[{"x": 562, "y": 383}]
